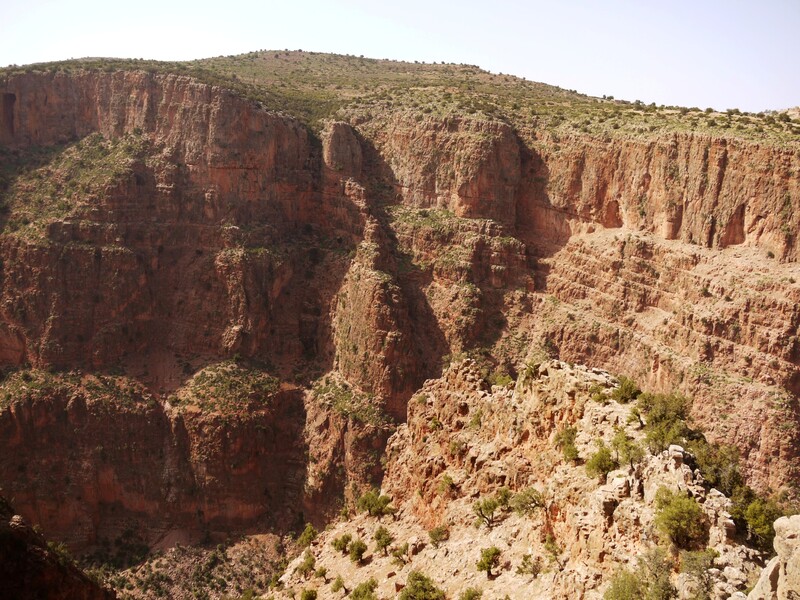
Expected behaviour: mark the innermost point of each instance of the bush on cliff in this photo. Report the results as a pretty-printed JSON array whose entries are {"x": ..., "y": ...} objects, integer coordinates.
[{"x": 680, "y": 519}]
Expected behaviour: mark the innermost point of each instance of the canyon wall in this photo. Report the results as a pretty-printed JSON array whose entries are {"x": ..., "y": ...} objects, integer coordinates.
[{"x": 375, "y": 251}]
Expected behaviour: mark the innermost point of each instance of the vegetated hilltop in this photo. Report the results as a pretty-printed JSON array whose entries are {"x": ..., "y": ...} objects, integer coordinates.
[{"x": 223, "y": 280}]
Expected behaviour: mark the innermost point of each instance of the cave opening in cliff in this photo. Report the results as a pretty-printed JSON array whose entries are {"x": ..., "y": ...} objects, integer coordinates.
[{"x": 7, "y": 120}]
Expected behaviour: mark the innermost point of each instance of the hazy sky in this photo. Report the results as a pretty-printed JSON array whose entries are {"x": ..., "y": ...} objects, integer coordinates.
[{"x": 719, "y": 53}]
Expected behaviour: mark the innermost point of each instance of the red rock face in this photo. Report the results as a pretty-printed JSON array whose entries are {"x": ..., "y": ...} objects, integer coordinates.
[
  {"x": 394, "y": 242},
  {"x": 88, "y": 468}
]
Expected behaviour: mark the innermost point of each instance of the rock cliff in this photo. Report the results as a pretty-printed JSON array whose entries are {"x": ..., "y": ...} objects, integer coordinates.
[{"x": 155, "y": 226}]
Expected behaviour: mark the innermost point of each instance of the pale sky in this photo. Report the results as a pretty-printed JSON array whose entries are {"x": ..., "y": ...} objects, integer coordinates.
[{"x": 718, "y": 53}]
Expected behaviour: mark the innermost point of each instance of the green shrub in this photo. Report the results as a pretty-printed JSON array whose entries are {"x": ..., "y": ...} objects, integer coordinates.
[
  {"x": 342, "y": 543},
  {"x": 503, "y": 497},
  {"x": 530, "y": 566},
  {"x": 626, "y": 450},
  {"x": 696, "y": 565},
  {"x": 309, "y": 535},
  {"x": 760, "y": 516},
  {"x": 308, "y": 595},
  {"x": 382, "y": 539},
  {"x": 375, "y": 504},
  {"x": 565, "y": 441},
  {"x": 627, "y": 391},
  {"x": 471, "y": 593},
  {"x": 446, "y": 485},
  {"x": 485, "y": 511},
  {"x": 420, "y": 587},
  {"x": 527, "y": 501},
  {"x": 601, "y": 463},
  {"x": 553, "y": 549},
  {"x": 438, "y": 535},
  {"x": 719, "y": 465},
  {"x": 357, "y": 549},
  {"x": 365, "y": 591},
  {"x": 666, "y": 420},
  {"x": 306, "y": 567},
  {"x": 648, "y": 581},
  {"x": 490, "y": 558},
  {"x": 338, "y": 584},
  {"x": 400, "y": 555},
  {"x": 680, "y": 519}
]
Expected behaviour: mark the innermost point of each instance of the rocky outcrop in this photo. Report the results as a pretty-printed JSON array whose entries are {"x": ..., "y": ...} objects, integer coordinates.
[
  {"x": 780, "y": 579},
  {"x": 465, "y": 440},
  {"x": 30, "y": 569}
]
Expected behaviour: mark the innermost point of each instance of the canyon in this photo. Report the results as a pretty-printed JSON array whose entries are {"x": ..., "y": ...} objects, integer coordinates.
[{"x": 214, "y": 315}]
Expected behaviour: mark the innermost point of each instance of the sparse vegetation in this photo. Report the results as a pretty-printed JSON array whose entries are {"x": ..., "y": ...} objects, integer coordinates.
[
  {"x": 439, "y": 534},
  {"x": 420, "y": 587},
  {"x": 626, "y": 392},
  {"x": 649, "y": 580},
  {"x": 383, "y": 539},
  {"x": 680, "y": 519},
  {"x": 374, "y": 503},
  {"x": 228, "y": 387},
  {"x": 342, "y": 543},
  {"x": 601, "y": 463},
  {"x": 527, "y": 501},
  {"x": 565, "y": 441},
  {"x": 490, "y": 558},
  {"x": 308, "y": 535},
  {"x": 696, "y": 565},
  {"x": 530, "y": 566},
  {"x": 365, "y": 590},
  {"x": 357, "y": 550},
  {"x": 471, "y": 593}
]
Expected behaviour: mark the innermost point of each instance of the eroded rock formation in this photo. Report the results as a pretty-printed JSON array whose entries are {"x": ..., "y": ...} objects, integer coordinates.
[{"x": 394, "y": 240}]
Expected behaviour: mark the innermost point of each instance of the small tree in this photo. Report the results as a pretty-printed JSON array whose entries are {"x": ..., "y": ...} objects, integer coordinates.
[
  {"x": 601, "y": 463},
  {"x": 342, "y": 543},
  {"x": 553, "y": 549},
  {"x": 503, "y": 497},
  {"x": 626, "y": 391},
  {"x": 338, "y": 584},
  {"x": 696, "y": 565},
  {"x": 308, "y": 595},
  {"x": 308, "y": 536},
  {"x": 365, "y": 591},
  {"x": 306, "y": 567},
  {"x": 357, "y": 549},
  {"x": 527, "y": 501},
  {"x": 565, "y": 441},
  {"x": 760, "y": 515},
  {"x": 400, "y": 555},
  {"x": 375, "y": 504},
  {"x": 471, "y": 593},
  {"x": 485, "y": 510},
  {"x": 383, "y": 539},
  {"x": 680, "y": 519},
  {"x": 420, "y": 587},
  {"x": 649, "y": 580},
  {"x": 530, "y": 566},
  {"x": 625, "y": 449},
  {"x": 438, "y": 535},
  {"x": 490, "y": 558}
]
